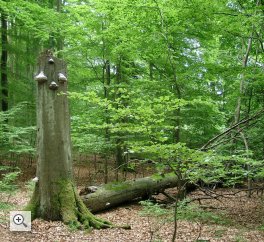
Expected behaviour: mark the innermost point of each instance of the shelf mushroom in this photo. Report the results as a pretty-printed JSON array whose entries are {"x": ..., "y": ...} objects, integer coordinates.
[
  {"x": 51, "y": 61},
  {"x": 41, "y": 78},
  {"x": 62, "y": 78},
  {"x": 53, "y": 85}
]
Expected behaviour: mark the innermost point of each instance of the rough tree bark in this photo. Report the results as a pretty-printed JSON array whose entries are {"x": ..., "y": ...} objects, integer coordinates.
[
  {"x": 112, "y": 195},
  {"x": 55, "y": 196}
]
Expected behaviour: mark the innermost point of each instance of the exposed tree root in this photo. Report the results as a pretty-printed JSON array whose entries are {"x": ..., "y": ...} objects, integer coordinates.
[{"x": 75, "y": 213}]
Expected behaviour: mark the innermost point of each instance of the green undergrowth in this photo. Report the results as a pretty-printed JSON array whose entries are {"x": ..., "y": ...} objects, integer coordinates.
[
  {"x": 261, "y": 227},
  {"x": 6, "y": 206},
  {"x": 185, "y": 211},
  {"x": 194, "y": 213},
  {"x": 8, "y": 188}
]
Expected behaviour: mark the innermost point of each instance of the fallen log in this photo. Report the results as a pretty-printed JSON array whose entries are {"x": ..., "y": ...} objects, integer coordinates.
[{"x": 114, "y": 194}]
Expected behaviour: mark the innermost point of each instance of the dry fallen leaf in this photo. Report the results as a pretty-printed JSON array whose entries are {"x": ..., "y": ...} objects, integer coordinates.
[{"x": 243, "y": 210}]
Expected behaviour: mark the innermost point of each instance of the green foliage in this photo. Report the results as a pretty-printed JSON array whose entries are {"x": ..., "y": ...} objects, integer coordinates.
[
  {"x": 7, "y": 182},
  {"x": 7, "y": 185},
  {"x": 184, "y": 212},
  {"x": 160, "y": 78},
  {"x": 192, "y": 86},
  {"x": 153, "y": 209},
  {"x": 261, "y": 228},
  {"x": 16, "y": 138},
  {"x": 5, "y": 206},
  {"x": 194, "y": 213}
]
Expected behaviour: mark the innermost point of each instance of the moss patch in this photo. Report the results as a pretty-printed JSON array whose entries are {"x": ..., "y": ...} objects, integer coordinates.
[
  {"x": 33, "y": 204},
  {"x": 117, "y": 186},
  {"x": 74, "y": 212},
  {"x": 71, "y": 209}
]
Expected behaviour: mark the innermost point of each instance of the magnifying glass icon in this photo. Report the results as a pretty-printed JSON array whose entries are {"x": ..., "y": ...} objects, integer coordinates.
[{"x": 18, "y": 219}]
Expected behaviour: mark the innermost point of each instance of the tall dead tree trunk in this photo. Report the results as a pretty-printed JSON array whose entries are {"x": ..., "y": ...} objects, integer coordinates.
[{"x": 55, "y": 196}]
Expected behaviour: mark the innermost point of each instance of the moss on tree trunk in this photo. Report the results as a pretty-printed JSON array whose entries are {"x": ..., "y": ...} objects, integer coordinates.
[
  {"x": 112, "y": 195},
  {"x": 70, "y": 208}
]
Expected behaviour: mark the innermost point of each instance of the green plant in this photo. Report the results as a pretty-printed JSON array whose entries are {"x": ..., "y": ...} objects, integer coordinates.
[
  {"x": 194, "y": 213},
  {"x": 238, "y": 238},
  {"x": 5, "y": 206},
  {"x": 153, "y": 209},
  {"x": 184, "y": 212},
  {"x": 157, "y": 217},
  {"x": 7, "y": 182},
  {"x": 261, "y": 227}
]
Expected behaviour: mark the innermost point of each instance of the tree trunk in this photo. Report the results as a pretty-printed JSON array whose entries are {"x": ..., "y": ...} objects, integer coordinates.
[
  {"x": 119, "y": 135},
  {"x": 112, "y": 195},
  {"x": 4, "y": 80},
  {"x": 55, "y": 197},
  {"x": 107, "y": 82}
]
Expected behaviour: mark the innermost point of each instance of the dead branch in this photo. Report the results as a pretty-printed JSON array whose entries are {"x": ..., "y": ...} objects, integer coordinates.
[
  {"x": 169, "y": 196},
  {"x": 205, "y": 147}
]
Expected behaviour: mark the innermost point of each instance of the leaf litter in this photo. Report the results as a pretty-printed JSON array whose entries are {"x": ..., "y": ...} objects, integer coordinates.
[{"x": 246, "y": 214}]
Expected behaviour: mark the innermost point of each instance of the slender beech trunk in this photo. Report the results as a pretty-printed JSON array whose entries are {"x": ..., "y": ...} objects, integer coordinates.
[
  {"x": 177, "y": 91},
  {"x": 119, "y": 142},
  {"x": 107, "y": 81},
  {"x": 4, "y": 55},
  {"x": 242, "y": 81},
  {"x": 175, "y": 84},
  {"x": 239, "y": 103}
]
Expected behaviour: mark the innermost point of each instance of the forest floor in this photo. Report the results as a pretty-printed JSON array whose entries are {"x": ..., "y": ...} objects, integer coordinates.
[{"x": 231, "y": 217}]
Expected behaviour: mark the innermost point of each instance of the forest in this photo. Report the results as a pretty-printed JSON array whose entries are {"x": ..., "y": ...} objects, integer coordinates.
[{"x": 159, "y": 126}]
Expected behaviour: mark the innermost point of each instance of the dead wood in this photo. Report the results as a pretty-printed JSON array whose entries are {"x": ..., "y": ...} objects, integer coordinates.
[{"x": 114, "y": 194}]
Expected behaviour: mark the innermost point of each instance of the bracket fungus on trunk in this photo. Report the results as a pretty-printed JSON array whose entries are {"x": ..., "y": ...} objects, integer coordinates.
[
  {"x": 53, "y": 85},
  {"x": 62, "y": 78},
  {"x": 41, "y": 78},
  {"x": 52, "y": 72},
  {"x": 51, "y": 61}
]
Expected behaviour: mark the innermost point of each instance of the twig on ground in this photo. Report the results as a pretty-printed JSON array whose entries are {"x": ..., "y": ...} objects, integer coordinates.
[
  {"x": 4, "y": 226},
  {"x": 199, "y": 232},
  {"x": 168, "y": 195}
]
